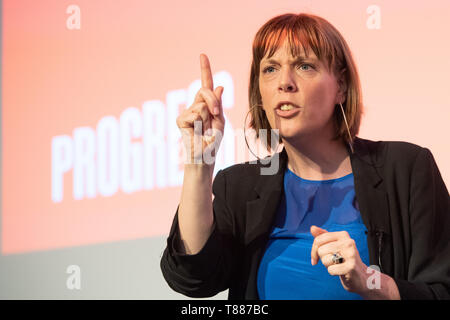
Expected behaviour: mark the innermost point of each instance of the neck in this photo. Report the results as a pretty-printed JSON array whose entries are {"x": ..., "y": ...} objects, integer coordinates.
[{"x": 318, "y": 158}]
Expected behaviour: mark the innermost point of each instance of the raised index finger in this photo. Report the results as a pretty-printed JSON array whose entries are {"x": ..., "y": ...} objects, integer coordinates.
[{"x": 207, "y": 80}]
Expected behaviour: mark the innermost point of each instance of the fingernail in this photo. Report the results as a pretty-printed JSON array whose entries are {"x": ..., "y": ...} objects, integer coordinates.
[
  {"x": 312, "y": 261},
  {"x": 216, "y": 111}
]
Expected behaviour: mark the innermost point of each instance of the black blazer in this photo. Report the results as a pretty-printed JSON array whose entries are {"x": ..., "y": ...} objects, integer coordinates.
[{"x": 403, "y": 202}]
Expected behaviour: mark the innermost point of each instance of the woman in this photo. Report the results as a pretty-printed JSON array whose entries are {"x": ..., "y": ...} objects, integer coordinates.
[{"x": 336, "y": 204}]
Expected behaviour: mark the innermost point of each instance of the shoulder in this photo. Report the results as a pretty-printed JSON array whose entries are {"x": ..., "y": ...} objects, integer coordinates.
[
  {"x": 244, "y": 169},
  {"x": 244, "y": 172},
  {"x": 385, "y": 153},
  {"x": 398, "y": 163},
  {"x": 244, "y": 177}
]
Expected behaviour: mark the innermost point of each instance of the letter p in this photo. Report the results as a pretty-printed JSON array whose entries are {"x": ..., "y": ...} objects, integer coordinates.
[{"x": 62, "y": 161}]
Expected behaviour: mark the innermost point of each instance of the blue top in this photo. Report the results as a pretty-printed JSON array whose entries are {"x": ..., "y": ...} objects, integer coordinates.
[{"x": 285, "y": 271}]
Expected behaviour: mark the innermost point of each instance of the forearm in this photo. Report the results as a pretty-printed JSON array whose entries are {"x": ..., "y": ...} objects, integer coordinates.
[{"x": 195, "y": 212}]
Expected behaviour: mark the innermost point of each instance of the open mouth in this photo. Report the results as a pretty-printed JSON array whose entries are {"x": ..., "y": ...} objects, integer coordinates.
[{"x": 286, "y": 109}]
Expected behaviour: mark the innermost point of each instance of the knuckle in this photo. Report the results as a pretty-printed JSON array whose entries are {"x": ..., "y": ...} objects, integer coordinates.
[
  {"x": 201, "y": 91},
  {"x": 320, "y": 251},
  {"x": 352, "y": 255},
  {"x": 195, "y": 114},
  {"x": 182, "y": 120},
  {"x": 199, "y": 115},
  {"x": 318, "y": 240},
  {"x": 198, "y": 95},
  {"x": 331, "y": 270},
  {"x": 350, "y": 243},
  {"x": 345, "y": 234},
  {"x": 205, "y": 109},
  {"x": 201, "y": 95},
  {"x": 204, "y": 92},
  {"x": 197, "y": 106},
  {"x": 202, "y": 108},
  {"x": 208, "y": 94}
]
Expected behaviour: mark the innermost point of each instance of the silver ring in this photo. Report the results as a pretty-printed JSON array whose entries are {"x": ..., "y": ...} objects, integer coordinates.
[{"x": 337, "y": 258}]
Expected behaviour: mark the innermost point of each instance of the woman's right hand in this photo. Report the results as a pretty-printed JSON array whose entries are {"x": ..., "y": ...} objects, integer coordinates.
[{"x": 207, "y": 108}]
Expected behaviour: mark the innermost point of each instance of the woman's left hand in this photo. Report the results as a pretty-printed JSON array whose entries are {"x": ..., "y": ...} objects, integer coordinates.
[{"x": 352, "y": 271}]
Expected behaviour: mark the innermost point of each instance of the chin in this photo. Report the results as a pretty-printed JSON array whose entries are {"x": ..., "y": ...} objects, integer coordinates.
[
  {"x": 297, "y": 135},
  {"x": 290, "y": 133}
]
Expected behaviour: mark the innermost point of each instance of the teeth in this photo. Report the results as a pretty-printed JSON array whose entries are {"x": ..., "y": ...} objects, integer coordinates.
[{"x": 286, "y": 107}]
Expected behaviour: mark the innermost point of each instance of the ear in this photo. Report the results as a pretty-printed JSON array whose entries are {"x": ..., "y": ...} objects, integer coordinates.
[{"x": 342, "y": 87}]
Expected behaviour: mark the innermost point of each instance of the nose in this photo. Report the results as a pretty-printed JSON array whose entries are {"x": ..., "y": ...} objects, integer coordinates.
[
  {"x": 286, "y": 87},
  {"x": 287, "y": 83}
]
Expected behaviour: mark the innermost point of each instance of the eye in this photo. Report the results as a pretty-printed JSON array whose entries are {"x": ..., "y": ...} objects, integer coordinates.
[
  {"x": 269, "y": 69},
  {"x": 306, "y": 64}
]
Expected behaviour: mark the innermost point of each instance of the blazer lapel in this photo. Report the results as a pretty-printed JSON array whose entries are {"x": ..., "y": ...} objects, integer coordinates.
[
  {"x": 371, "y": 195},
  {"x": 369, "y": 186},
  {"x": 261, "y": 212}
]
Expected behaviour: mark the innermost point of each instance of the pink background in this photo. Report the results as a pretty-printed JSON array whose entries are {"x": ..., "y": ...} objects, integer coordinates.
[{"x": 129, "y": 52}]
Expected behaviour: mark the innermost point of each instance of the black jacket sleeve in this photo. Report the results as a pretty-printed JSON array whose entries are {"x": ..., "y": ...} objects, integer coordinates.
[
  {"x": 209, "y": 271},
  {"x": 429, "y": 213}
]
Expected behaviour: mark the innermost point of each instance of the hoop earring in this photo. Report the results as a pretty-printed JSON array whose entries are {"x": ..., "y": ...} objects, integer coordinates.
[
  {"x": 245, "y": 136},
  {"x": 350, "y": 143}
]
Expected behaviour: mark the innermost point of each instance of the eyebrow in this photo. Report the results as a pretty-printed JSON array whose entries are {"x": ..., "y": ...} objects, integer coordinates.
[{"x": 296, "y": 60}]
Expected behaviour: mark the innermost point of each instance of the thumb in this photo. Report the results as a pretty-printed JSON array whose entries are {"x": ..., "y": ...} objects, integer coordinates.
[{"x": 315, "y": 231}]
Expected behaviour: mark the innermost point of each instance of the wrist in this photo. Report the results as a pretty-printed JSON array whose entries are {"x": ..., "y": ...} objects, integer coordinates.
[
  {"x": 380, "y": 286},
  {"x": 199, "y": 167}
]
